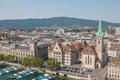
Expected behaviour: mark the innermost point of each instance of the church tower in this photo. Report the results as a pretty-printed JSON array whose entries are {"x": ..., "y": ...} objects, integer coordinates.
[{"x": 99, "y": 41}]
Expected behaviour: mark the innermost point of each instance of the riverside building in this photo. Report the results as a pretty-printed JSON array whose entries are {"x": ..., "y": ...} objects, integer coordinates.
[{"x": 20, "y": 50}]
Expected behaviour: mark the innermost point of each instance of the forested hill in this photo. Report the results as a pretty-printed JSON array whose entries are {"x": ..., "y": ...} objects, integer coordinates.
[{"x": 56, "y": 21}]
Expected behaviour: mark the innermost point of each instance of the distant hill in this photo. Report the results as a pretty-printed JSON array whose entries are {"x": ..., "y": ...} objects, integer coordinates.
[{"x": 56, "y": 21}]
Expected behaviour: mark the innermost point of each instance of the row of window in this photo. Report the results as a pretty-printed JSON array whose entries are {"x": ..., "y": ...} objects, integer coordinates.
[
  {"x": 16, "y": 53},
  {"x": 57, "y": 52},
  {"x": 88, "y": 60},
  {"x": 19, "y": 54},
  {"x": 115, "y": 76},
  {"x": 116, "y": 71},
  {"x": 66, "y": 58},
  {"x": 60, "y": 53}
]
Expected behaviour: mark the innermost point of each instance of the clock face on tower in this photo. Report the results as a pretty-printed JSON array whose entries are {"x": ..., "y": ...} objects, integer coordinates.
[{"x": 99, "y": 38}]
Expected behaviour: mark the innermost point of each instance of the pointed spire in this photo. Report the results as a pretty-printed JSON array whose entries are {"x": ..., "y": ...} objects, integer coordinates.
[{"x": 100, "y": 32}]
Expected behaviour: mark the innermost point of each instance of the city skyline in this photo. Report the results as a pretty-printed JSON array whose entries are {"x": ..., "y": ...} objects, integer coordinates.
[{"x": 83, "y": 9}]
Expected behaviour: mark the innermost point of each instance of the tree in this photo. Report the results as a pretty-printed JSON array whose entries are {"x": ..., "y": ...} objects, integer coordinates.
[
  {"x": 10, "y": 58},
  {"x": 32, "y": 61},
  {"x": 37, "y": 61},
  {"x": 2, "y": 57},
  {"x": 26, "y": 61},
  {"x": 51, "y": 63}
]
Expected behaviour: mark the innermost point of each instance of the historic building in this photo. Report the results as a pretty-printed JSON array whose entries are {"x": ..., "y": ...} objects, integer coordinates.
[
  {"x": 65, "y": 53},
  {"x": 114, "y": 50},
  {"x": 111, "y": 42},
  {"x": 34, "y": 48},
  {"x": 94, "y": 56},
  {"x": 114, "y": 69}
]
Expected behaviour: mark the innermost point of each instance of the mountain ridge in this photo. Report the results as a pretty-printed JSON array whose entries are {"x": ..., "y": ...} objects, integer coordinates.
[{"x": 55, "y": 21}]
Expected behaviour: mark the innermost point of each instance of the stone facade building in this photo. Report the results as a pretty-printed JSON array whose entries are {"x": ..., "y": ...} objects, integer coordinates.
[
  {"x": 114, "y": 50},
  {"x": 66, "y": 54},
  {"x": 34, "y": 48},
  {"x": 94, "y": 56},
  {"x": 114, "y": 69}
]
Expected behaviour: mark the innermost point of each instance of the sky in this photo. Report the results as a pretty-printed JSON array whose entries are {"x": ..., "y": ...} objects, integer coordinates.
[{"x": 84, "y": 9}]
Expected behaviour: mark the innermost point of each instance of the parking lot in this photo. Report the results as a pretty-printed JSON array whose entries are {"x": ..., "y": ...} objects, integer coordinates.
[
  {"x": 76, "y": 71},
  {"x": 83, "y": 72}
]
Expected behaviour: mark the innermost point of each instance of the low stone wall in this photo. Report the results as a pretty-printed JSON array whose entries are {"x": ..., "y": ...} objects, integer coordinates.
[{"x": 71, "y": 76}]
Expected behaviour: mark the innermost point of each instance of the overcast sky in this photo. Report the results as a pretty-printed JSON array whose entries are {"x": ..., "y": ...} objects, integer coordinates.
[{"x": 85, "y": 9}]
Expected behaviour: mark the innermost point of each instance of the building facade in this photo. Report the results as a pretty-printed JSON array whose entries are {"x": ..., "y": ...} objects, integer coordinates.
[
  {"x": 114, "y": 69},
  {"x": 94, "y": 56},
  {"x": 66, "y": 55},
  {"x": 34, "y": 48},
  {"x": 66, "y": 52},
  {"x": 114, "y": 50}
]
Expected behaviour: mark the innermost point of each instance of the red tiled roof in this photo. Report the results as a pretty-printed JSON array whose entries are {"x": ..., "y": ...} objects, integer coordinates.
[
  {"x": 115, "y": 60},
  {"x": 79, "y": 45},
  {"x": 114, "y": 47},
  {"x": 72, "y": 47},
  {"x": 68, "y": 48},
  {"x": 89, "y": 50},
  {"x": 98, "y": 60}
]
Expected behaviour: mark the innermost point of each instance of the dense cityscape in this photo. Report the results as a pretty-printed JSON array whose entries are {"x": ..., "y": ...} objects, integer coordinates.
[
  {"x": 78, "y": 55},
  {"x": 59, "y": 48}
]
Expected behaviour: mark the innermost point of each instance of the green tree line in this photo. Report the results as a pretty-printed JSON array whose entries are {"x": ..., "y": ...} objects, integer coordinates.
[{"x": 50, "y": 63}]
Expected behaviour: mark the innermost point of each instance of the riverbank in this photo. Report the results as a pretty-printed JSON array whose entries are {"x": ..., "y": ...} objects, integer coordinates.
[{"x": 71, "y": 77}]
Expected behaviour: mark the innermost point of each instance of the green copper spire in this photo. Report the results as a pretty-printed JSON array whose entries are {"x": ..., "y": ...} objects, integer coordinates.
[{"x": 100, "y": 33}]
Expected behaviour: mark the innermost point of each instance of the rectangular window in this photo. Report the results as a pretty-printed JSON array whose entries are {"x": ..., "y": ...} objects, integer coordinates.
[
  {"x": 88, "y": 60},
  {"x": 85, "y": 60}
]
